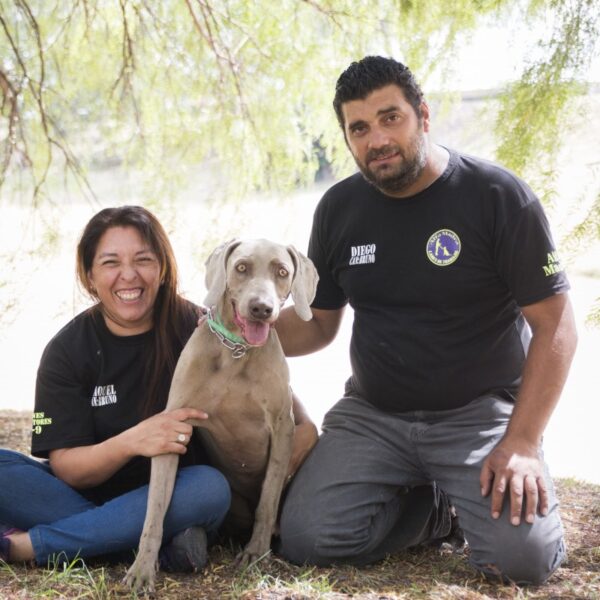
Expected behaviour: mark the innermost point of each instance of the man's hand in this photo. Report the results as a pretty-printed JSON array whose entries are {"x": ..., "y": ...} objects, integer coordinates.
[
  {"x": 517, "y": 469},
  {"x": 515, "y": 466}
]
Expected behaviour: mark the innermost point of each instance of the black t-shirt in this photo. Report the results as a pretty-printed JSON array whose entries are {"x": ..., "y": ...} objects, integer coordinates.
[
  {"x": 90, "y": 387},
  {"x": 435, "y": 281}
]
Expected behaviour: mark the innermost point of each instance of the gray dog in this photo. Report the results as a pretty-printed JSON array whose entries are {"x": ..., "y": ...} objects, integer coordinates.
[{"x": 234, "y": 369}]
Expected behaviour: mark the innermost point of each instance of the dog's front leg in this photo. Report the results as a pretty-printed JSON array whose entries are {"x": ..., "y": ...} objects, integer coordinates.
[
  {"x": 266, "y": 512},
  {"x": 142, "y": 572}
]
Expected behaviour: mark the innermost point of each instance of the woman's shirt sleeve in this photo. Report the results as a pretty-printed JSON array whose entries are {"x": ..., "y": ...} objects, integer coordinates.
[{"x": 62, "y": 416}]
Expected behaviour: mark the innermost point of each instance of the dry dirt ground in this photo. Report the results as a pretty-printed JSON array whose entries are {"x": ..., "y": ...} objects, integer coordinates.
[{"x": 421, "y": 573}]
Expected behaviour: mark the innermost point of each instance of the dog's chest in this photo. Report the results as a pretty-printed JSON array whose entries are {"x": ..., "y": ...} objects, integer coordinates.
[
  {"x": 260, "y": 377},
  {"x": 246, "y": 400},
  {"x": 238, "y": 436}
]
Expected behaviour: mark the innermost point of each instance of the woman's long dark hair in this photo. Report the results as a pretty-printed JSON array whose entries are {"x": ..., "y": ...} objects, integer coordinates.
[{"x": 173, "y": 316}]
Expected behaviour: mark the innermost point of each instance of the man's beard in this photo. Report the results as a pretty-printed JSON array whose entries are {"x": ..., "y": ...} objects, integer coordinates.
[{"x": 396, "y": 178}]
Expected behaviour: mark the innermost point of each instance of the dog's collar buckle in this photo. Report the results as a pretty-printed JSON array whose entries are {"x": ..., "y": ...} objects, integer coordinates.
[
  {"x": 229, "y": 340},
  {"x": 237, "y": 351}
]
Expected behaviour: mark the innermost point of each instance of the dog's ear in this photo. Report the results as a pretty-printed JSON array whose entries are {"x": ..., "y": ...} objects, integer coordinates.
[
  {"x": 304, "y": 284},
  {"x": 216, "y": 272}
]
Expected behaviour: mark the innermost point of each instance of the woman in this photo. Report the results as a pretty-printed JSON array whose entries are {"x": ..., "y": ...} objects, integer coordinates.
[{"x": 102, "y": 383}]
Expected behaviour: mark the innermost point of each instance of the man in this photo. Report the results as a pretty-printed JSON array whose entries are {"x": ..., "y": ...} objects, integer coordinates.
[{"x": 462, "y": 339}]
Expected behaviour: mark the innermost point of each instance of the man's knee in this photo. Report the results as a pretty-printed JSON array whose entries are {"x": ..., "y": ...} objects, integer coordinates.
[
  {"x": 318, "y": 545},
  {"x": 530, "y": 560},
  {"x": 299, "y": 535},
  {"x": 323, "y": 538},
  {"x": 299, "y": 547}
]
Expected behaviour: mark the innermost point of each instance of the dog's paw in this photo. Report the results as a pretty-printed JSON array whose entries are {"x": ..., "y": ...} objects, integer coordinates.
[
  {"x": 140, "y": 577},
  {"x": 250, "y": 556}
]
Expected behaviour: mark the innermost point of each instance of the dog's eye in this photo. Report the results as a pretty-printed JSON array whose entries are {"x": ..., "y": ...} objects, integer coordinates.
[
  {"x": 283, "y": 272},
  {"x": 241, "y": 268}
]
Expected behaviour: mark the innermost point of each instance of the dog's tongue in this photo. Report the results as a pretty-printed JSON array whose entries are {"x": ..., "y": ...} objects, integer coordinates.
[{"x": 256, "y": 332}]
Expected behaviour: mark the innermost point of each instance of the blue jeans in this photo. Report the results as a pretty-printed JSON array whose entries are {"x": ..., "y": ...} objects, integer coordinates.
[
  {"x": 61, "y": 521},
  {"x": 349, "y": 502}
]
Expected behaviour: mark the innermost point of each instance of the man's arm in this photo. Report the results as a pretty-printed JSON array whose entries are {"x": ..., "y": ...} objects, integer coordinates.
[
  {"x": 300, "y": 337},
  {"x": 515, "y": 464},
  {"x": 305, "y": 436}
]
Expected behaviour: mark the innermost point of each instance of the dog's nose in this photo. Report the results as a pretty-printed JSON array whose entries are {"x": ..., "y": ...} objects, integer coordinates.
[{"x": 259, "y": 309}]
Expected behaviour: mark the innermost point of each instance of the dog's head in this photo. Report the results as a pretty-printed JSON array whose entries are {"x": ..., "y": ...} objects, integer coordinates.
[{"x": 256, "y": 277}]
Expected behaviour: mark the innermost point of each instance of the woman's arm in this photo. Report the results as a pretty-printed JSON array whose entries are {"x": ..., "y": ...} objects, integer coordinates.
[{"x": 88, "y": 466}]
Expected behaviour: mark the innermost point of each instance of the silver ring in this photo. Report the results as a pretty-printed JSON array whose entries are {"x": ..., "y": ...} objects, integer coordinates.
[{"x": 181, "y": 437}]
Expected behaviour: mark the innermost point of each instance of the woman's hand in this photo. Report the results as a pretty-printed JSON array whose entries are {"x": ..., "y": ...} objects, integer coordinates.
[{"x": 164, "y": 433}]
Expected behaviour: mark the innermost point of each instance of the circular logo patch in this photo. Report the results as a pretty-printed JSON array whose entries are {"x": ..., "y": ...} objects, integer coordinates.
[{"x": 443, "y": 247}]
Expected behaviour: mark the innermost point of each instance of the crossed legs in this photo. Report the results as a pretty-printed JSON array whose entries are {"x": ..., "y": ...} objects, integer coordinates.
[{"x": 59, "y": 520}]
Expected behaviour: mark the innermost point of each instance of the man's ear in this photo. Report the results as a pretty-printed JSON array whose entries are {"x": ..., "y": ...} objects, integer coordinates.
[{"x": 425, "y": 116}]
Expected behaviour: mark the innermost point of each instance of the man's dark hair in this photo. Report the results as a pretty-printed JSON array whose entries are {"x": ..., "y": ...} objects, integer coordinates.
[{"x": 370, "y": 74}]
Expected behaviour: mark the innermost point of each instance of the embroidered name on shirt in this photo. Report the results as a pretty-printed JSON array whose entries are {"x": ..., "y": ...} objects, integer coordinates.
[
  {"x": 103, "y": 395},
  {"x": 553, "y": 265},
  {"x": 362, "y": 255},
  {"x": 39, "y": 420}
]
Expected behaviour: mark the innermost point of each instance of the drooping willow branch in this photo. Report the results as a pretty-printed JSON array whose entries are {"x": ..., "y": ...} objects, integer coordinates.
[{"x": 14, "y": 85}]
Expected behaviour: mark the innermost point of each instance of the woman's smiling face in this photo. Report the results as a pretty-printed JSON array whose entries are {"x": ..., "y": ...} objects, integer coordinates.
[{"x": 125, "y": 275}]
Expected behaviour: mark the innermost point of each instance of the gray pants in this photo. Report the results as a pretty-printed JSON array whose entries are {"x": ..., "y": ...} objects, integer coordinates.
[{"x": 369, "y": 488}]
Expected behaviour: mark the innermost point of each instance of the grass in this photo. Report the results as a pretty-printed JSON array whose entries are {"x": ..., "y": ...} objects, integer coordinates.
[
  {"x": 421, "y": 573},
  {"x": 70, "y": 580},
  {"x": 417, "y": 574}
]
